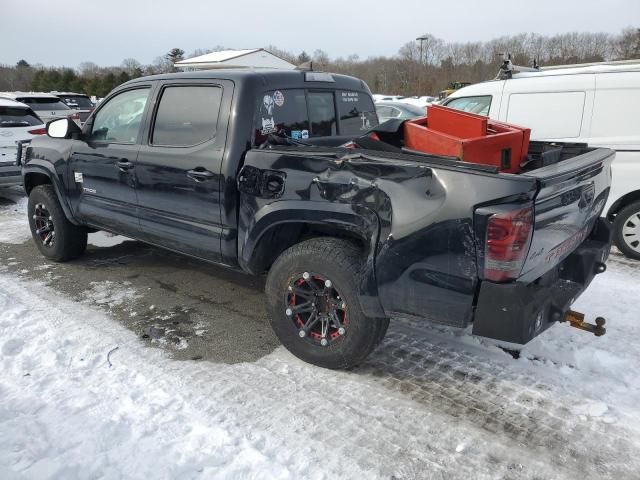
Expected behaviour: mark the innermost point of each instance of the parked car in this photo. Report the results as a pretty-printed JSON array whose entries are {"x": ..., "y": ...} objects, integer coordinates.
[
  {"x": 398, "y": 110},
  {"x": 249, "y": 169},
  {"x": 378, "y": 97},
  {"x": 597, "y": 104},
  {"x": 79, "y": 102},
  {"x": 47, "y": 107},
  {"x": 17, "y": 123},
  {"x": 422, "y": 102}
]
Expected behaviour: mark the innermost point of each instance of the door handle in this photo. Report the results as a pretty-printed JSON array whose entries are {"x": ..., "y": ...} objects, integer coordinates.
[
  {"x": 124, "y": 164},
  {"x": 200, "y": 174}
]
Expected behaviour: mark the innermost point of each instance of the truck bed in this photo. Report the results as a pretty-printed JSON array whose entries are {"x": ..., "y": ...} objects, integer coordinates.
[{"x": 428, "y": 246}]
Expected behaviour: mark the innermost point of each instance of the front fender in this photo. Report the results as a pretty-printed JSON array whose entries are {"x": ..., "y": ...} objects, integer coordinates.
[
  {"x": 353, "y": 220},
  {"x": 32, "y": 174}
]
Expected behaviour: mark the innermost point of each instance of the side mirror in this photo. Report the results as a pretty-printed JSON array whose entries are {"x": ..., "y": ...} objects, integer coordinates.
[{"x": 62, "y": 128}]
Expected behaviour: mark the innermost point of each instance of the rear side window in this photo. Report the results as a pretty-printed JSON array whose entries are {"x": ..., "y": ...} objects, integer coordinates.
[
  {"x": 18, "y": 117},
  {"x": 357, "y": 112},
  {"x": 187, "y": 115},
  {"x": 479, "y": 105},
  {"x": 549, "y": 115},
  {"x": 43, "y": 103}
]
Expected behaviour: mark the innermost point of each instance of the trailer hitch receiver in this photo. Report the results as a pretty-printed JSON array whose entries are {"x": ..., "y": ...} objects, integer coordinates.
[{"x": 576, "y": 319}]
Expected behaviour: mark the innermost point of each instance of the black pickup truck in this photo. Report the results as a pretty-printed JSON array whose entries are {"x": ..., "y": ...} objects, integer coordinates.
[{"x": 279, "y": 172}]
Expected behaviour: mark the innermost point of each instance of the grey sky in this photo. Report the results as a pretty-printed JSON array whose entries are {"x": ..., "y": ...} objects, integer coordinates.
[{"x": 107, "y": 31}]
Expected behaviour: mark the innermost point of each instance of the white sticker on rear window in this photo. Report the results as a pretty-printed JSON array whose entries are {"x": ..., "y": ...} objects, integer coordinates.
[{"x": 278, "y": 98}]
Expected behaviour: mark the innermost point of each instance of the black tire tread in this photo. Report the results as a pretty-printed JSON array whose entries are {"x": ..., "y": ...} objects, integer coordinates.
[
  {"x": 346, "y": 254},
  {"x": 71, "y": 239}
]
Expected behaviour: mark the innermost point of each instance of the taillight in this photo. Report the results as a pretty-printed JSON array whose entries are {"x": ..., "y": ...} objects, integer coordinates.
[
  {"x": 38, "y": 131},
  {"x": 507, "y": 243},
  {"x": 75, "y": 116}
]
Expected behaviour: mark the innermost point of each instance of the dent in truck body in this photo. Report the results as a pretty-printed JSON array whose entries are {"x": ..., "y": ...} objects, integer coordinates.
[{"x": 416, "y": 221}]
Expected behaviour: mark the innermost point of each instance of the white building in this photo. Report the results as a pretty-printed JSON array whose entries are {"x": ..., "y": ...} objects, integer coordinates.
[{"x": 253, "y": 58}]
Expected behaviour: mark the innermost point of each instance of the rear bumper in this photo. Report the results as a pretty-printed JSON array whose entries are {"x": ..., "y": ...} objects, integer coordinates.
[{"x": 517, "y": 312}]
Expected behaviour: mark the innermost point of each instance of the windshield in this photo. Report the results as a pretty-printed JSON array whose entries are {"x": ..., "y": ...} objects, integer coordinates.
[
  {"x": 44, "y": 103},
  {"x": 76, "y": 101},
  {"x": 18, "y": 117}
]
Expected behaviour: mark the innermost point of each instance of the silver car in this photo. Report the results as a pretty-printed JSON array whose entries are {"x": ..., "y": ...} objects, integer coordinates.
[
  {"x": 398, "y": 110},
  {"x": 47, "y": 107}
]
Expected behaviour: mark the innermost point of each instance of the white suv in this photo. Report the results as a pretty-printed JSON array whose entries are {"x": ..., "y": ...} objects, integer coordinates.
[
  {"x": 17, "y": 122},
  {"x": 597, "y": 104},
  {"x": 47, "y": 106}
]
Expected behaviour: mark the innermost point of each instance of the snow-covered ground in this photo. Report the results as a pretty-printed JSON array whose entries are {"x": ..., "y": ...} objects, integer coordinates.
[{"x": 82, "y": 397}]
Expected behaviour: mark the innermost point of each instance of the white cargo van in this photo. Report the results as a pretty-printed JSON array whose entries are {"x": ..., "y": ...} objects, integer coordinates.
[{"x": 598, "y": 104}]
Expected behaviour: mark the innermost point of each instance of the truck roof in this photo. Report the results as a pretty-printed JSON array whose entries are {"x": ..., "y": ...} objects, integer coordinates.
[{"x": 280, "y": 77}]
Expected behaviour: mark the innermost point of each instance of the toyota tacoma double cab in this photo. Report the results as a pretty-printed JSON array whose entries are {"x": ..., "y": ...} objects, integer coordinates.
[{"x": 288, "y": 173}]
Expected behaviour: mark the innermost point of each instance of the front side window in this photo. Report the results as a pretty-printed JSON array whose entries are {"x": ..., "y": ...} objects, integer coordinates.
[
  {"x": 479, "y": 105},
  {"x": 357, "y": 112},
  {"x": 322, "y": 114},
  {"x": 187, "y": 115},
  {"x": 119, "y": 119}
]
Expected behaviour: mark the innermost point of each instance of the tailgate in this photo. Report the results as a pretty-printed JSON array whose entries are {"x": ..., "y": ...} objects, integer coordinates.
[{"x": 571, "y": 196}]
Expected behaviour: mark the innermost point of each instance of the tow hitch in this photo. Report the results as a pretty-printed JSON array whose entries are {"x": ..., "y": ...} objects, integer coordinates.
[{"x": 576, "y": 319}]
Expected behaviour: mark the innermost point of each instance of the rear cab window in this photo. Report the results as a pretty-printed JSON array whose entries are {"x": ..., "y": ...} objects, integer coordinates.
[
  {"x": 477, "y": 104},
  {"x": 310, "y": 113}
]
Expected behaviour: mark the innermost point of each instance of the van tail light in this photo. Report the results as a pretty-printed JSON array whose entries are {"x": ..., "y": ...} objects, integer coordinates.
[
  {"x": 38, "y": 131},
  {"x": 507, "y": 243}
]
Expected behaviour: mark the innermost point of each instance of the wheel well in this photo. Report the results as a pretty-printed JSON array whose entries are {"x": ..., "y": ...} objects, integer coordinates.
[
  {"x": 32, "y": 180},
  {"x": 281, "y": 237},
  {"x": 623, "y": 202}
]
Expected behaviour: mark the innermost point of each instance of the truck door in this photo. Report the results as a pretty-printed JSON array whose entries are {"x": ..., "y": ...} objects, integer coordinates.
[
  {"x": 102, "y": 167},
  {"x": 178, "y": 171}
]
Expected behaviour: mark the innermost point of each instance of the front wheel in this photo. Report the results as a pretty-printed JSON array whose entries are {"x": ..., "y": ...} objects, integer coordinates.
[
  {"x": 314, "y": 306},
  {"x": 54, "y": 235},
  {"x": 626, "y": 230}
]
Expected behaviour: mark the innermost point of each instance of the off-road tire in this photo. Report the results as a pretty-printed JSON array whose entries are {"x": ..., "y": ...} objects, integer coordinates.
[
  {"x": 340, "y": 261},
  {"x": 622, "y": 218},
  {"x": 70, "y": 240}
]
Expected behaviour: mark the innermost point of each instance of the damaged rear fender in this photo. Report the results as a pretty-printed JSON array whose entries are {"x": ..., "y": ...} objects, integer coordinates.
[{"x": 281, "y": 224}]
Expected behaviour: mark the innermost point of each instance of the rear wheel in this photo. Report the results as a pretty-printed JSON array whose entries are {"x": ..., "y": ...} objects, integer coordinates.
[
  {"x": 314, "y": 306},
  {"x": 55, "y": 236},
  {"x": 626, "y": 230}
]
